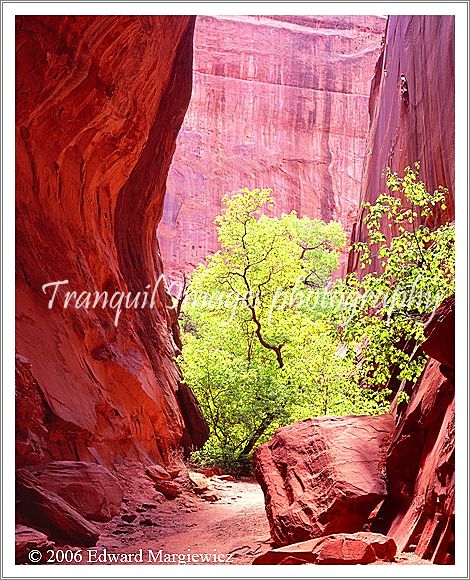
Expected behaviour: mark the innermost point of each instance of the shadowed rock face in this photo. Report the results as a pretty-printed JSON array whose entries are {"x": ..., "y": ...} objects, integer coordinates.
[
  {"x": 419, "y": 511},
  {"x": 99, "y": 104},
  {"x": 278, "y": 102},
  {"x": 412, "y": 113}
]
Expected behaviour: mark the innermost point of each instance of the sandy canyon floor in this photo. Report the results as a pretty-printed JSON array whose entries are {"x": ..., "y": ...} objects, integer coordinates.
[{"x": 233, "y": 526}]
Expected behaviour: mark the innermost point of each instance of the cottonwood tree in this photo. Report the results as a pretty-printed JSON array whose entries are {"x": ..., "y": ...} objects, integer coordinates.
[{"x": 258, "y": 348}]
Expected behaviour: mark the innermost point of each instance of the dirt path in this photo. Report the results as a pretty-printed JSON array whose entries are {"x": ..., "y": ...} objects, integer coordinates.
[
  {"x": 234, "y": 527},
  {"x": 230, "y": 529}
]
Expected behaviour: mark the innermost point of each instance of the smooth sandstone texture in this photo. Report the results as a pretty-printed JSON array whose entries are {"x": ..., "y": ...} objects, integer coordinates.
[
  {"x": 99, "y": 104},
  {"x": 323, "y": 476},
  {"x": 90, "y": 488},
  {"x": 278, "y": 102},
  {"x": 411, "y": 119}
]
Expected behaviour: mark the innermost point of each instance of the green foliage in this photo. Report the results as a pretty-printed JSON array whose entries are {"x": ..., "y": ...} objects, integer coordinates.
[
  {"x": 259, "y": 349},
  {"x": 265, "y": 342},
  {"x": 384, "y": 325}
]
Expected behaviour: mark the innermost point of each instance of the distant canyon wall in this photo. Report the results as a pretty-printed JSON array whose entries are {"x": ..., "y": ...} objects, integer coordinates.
[{"x": 278, "y": 102}]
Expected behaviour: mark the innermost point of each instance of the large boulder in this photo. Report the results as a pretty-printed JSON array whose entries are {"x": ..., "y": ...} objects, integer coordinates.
[
  {"x": 157, "y": 473},
  {"x": 90, "y": 488},
  {"x": 359, "y": 548},
  {"x": 323, "y": 476},
  {"x": 49, "y": 513}
]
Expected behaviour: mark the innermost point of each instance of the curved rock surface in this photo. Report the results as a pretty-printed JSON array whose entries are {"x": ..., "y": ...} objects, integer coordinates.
[
  {"x": 412, "y": 113},
  {"x": 99, "y": 104},
  {"x": 277, "y": 102},
  {"x": 323, "y": 476},
  {"x": 419, "y": 510}
]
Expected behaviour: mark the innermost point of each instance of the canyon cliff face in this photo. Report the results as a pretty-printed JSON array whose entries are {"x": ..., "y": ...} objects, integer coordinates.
[
  {"x": 419, "y": 510},
  {"x": 412, "y": 119},
  {"x": 412, "y": 113},
  {"x": 100, "y": 101},
  {"x": 278, "y": 102}
]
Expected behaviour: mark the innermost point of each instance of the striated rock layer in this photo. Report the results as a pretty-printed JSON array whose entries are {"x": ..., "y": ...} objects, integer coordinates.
[
  {"x": 278, "y": 102},
  {"x": 99, "y": 104},
  {"x": 412, "y": 113},
  {"x": 27, "y": 539},
  {"x": 419, "y": 510},
  {"x": 49, "y": 513}
]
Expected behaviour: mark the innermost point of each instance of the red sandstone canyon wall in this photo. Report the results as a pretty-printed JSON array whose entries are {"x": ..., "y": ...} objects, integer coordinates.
[
  {"x": 419, "y": 510},
  {"x": 412, "y": 119},
  {"x": 412, "y": 109},
  {"x": 278, "y": 102},
  {"x": 99, "y": 104}
]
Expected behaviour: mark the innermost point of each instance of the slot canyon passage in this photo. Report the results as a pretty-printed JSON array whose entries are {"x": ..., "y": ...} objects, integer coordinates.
[{"x": 129, "y": 132}]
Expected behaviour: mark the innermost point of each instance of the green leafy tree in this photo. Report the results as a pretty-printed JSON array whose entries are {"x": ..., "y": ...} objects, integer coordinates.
[
  {"x": 259, "y": 348},
  {"x": 383, "y": 321}
]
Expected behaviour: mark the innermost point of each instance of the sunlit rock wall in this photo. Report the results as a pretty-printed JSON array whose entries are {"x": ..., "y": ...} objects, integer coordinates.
[{"x": 278, "y": 102}]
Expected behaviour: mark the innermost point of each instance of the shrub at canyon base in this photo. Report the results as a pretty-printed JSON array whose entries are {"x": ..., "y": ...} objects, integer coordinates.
[{"x": 385, "y": 327}]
